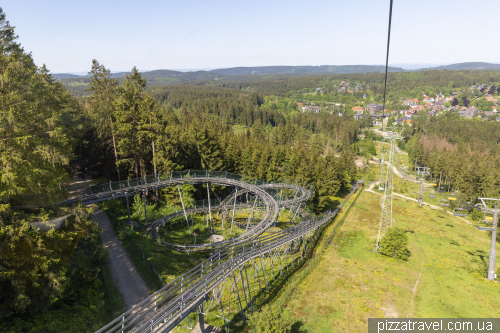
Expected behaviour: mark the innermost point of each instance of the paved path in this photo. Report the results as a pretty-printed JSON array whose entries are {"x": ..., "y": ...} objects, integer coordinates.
[{"x": 130, "y": 283}]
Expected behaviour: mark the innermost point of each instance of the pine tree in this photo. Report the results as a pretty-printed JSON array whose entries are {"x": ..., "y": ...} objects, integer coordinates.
[
  {"x": 128, "y": 120},
  {"x": 102, "y": 108}
]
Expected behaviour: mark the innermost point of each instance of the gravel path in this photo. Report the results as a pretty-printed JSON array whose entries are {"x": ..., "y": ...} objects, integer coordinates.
[{"x": 130, "y": 283}]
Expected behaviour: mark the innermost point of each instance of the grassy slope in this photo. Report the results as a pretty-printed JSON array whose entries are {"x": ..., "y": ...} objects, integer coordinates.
[{"x": 352, "y": 283}]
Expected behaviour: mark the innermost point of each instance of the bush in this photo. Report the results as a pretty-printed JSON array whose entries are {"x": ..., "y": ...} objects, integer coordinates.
[
  {"x": 270, "y": 320},
  {"x": 395, "y": 244},
  {"x": 477, "y": 215}
]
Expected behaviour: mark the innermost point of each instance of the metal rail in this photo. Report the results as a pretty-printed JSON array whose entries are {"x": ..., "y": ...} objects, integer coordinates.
[{"x": 166, "y": 308}]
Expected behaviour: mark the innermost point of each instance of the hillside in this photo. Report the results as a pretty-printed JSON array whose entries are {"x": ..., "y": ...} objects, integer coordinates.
[
  {"x": 325, "y": 69},
  {"x": 156, "y": 75},
  {"x": 61, "y": 76},
  {"x": 444, "y": 276},
  {"x": 464, "y": 66}
]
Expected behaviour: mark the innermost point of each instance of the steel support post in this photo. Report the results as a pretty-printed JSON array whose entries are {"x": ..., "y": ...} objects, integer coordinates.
[
  {"x": 239, "y": 300},
  {"x": 421, "y": 189},
  {"x": 201, "y": 318},
  {"x": 251, "y": 213},
  {"x": 248, "y": 285},
  {"x": 422, "y": 171},
  {"x": 145, "y": 208},
  {"x": 492, "y": 258},
  {"x": 256, "y": 272},
  {"x": 298, "y": 207},
  {"x": 294, "y": 196},
  {"x": 223, "y": 316},
  {"x": 209, "y": 207},
  {"x": 244, "y": 290},
  {"x": 128, "y": 210},
  {"x": 234, "y": 208},
  {"x": 183, "y": 208}
]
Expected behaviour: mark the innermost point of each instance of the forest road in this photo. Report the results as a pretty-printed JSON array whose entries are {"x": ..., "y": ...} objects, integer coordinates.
[{"x": 125, "y": 275}]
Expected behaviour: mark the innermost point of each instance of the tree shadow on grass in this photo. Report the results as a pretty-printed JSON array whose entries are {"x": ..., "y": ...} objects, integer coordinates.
[
  {"x": 478, "y": 254},
  {"x": 298, "y": 327}
]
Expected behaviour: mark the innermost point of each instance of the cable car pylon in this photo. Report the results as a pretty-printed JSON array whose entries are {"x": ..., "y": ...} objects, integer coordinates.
[
  {"x": 386, "y": 216},
  {"x": 492, "y": 206}
]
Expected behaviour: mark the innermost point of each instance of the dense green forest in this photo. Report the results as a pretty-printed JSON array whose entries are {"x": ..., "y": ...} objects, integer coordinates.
[
  {"x": 123, "y": 129},
  {"x": 112, "y": 128},
  {"x": 461, "y": 153}
]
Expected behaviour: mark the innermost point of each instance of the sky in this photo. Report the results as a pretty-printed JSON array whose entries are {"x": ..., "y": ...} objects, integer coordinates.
[{"x": 192, "y": 34}]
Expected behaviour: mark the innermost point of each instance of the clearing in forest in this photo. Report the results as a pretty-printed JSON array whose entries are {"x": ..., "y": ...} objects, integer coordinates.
[{"x": 444, "y": 276}]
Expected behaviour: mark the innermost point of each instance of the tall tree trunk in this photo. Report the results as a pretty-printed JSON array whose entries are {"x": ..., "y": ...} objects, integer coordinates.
[
  {"x": 440, "y": 176},
  {"x": 154, "y": 163},
  {"x": 136, "y": 167},
  {"x": 114, "y": 148}
]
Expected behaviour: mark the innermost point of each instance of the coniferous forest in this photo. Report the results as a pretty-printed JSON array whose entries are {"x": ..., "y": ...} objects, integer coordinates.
[{"x": 108, "y": 129}]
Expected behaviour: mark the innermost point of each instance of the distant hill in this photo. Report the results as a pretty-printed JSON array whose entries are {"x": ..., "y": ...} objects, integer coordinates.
[
  {"x": 464, "y": 65},
  {"x": 325, "y": 69},
  {"x": 61, "y": 76}
]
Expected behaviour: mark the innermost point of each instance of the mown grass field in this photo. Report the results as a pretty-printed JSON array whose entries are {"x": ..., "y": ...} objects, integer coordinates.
[{"x": 353, "y": 283}]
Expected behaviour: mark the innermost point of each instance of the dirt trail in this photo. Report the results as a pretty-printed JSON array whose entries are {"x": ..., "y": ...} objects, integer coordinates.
[
  {"x": 414, "y": 292},
  {"x": 370, "y": 189},
  {"x": 130, "y": 283}
]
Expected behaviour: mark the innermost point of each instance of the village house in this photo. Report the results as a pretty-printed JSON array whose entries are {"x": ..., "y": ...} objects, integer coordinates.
[
  {"x": 404, "y": 120},
  {"x": 357, "y": 109},
  {"x": 490, "y": 98},
  {"x": 410, "y": 102},
  {"x": 374, "y": 107},
  {"x": 313, "y": 108},
  {"x": 341, "y": 89}
]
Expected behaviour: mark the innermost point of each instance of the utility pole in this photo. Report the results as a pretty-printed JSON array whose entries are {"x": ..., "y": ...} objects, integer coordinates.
[
  {"x": 492, "y": 206},
  {"x": 422, "y": 171},
  {"x": 404, "y": 168},
  {"x": 386, "y": 216}
]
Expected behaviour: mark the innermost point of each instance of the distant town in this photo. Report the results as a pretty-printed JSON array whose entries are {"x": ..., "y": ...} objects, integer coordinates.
[{"x": 431, "y": 105}]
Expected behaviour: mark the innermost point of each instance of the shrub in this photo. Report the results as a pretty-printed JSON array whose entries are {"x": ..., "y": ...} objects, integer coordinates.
[
  {"x": 477, "y": 215},
  {"x": 395, "y": 244},
  {"x": 270, "y": 320}
]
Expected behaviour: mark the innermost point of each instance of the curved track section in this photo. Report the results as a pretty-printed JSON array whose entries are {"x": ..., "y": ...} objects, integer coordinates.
[
  {"x": 97, "y": 193},
  {"x": 202, "y": 288},
  {"x": 301, "y": 195}
]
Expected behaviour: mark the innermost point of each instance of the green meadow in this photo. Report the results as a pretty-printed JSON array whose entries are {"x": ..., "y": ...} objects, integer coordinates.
[{"x": 444, "y": 276}]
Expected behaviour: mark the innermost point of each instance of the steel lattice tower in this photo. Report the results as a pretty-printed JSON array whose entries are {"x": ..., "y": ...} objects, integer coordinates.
[
  {"x": 386, "y": 216},
  {"x": 383, "y": 152}
]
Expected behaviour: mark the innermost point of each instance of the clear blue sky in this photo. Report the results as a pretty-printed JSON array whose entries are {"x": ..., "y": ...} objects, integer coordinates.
[{"x": 67, "y": 35}]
